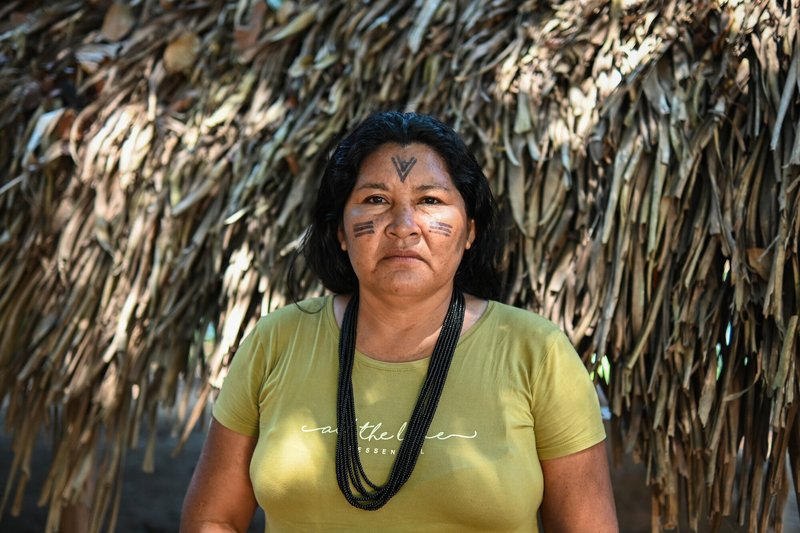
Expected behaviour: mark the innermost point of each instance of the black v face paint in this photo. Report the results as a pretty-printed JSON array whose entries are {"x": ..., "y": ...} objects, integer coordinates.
[{"x": 403, "y": 167}]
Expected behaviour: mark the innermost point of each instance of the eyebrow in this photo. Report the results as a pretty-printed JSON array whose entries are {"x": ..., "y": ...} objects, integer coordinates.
[{"x": 418, "y": 188}]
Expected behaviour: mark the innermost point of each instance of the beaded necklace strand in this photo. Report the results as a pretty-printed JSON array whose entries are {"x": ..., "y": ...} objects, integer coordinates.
[{"x": 349, "y": 470}]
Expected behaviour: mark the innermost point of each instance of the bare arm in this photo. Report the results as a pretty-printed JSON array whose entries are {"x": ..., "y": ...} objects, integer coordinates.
[
  {"x": 577, "y": 493},
  {"x": 220, "y": 496}
]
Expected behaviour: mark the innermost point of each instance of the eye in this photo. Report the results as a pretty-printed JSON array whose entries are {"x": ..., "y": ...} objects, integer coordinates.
[
  {"x": 377, "y": 200},
  {"x": 430, "y": 200}
]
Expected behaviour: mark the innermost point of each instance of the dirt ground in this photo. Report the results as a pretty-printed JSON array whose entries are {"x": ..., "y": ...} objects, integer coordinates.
[{"x": 151, "y": 502}]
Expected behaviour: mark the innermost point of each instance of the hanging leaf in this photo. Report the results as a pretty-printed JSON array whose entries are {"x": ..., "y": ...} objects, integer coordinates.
[
  {"x": 118, "y": 22},
  {"x": 181, "y": 53}
]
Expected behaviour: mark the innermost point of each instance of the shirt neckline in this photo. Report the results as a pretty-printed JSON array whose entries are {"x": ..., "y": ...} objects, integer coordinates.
[{"x": 401, "y": 365}]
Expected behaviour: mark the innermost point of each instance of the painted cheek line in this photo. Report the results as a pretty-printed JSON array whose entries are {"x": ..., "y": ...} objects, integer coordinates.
[
  {"x": 363, "y": 228},
  {"x": 441, "y": 228}
]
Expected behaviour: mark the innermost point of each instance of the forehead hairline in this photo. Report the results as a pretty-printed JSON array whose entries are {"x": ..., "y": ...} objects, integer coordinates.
[{"x": 392, "y": 148}]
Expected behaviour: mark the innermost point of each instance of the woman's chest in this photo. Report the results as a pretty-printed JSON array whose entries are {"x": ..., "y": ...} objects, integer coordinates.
[{"x": 477, "y": 468}]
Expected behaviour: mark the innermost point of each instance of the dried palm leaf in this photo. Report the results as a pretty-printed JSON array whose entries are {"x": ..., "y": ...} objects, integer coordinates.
[{"x": 157, "y": 157}]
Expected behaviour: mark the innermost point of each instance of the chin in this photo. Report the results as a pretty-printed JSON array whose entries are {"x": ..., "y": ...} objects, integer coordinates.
[{"x": 410, "y": 289}]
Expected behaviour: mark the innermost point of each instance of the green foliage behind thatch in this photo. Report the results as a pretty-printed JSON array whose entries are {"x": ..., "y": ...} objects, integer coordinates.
[{"x": 158, "y": 160}]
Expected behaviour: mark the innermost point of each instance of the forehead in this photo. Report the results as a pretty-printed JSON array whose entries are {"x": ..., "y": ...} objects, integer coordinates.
[{"x": 403, "y": 162}]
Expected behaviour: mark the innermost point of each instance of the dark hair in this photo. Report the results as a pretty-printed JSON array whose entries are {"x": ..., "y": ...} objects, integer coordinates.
[{"x": 478, "y": 272}]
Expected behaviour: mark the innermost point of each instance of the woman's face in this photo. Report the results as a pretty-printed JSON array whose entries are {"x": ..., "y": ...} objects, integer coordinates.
[{"x": 405, "y": 225}]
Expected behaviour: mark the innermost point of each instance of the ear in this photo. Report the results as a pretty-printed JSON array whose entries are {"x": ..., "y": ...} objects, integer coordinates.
[
  {"x": 470, "y": 234},
  {"x": 340, "y": 234}
]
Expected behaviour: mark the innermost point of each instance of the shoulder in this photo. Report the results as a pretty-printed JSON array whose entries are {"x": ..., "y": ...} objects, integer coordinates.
[
  {"x": 518, "y": 320},
  {"x": 526, "y": 337},
  {"x": 518, "y": 334},
  {"x": 308, "y": 308},
  {"x": 292, "y": 316},
  {"x": 275, "y": 333}
]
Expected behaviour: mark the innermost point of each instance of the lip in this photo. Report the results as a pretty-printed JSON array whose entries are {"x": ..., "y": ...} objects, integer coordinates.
[{"x": 402, "y": 255}]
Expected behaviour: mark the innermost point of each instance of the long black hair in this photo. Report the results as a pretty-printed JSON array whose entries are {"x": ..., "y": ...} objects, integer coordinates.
[{"x": 478, "y": 272}]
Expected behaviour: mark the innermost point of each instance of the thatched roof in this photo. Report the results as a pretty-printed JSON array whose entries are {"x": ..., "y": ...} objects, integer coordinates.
[{"x": 157, "y": 158}]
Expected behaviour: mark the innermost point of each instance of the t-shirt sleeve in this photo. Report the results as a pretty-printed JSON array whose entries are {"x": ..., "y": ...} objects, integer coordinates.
[
  {"x": 566, "y": 408},
  {"x": 236, "y": 407}
]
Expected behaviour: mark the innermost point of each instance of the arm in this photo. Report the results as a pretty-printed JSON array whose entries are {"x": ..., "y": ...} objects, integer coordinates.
[
  {"x": 577, "y": 493},
  {"x": 220, "y": 496}
]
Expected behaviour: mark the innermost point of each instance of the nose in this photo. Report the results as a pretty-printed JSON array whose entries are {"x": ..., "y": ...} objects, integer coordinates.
[{"x": 403, "y": 223}]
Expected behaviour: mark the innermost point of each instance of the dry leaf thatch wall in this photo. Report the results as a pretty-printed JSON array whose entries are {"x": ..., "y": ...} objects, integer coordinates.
[{"x": 156, "y": 160}]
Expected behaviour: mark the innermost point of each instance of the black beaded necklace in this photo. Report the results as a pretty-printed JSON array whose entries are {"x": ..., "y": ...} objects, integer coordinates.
[{"x": 349, "y": 471}]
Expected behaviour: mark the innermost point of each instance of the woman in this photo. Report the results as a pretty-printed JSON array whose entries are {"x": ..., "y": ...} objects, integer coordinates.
[{"x": 436, "y": 408}]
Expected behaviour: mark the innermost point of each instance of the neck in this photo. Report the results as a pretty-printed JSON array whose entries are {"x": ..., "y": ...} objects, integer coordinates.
[{"x": 399, "y": 329}]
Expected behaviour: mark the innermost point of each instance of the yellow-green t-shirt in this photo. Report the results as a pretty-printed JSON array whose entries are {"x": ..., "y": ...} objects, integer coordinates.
[{"x": 516, "y": 393}]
